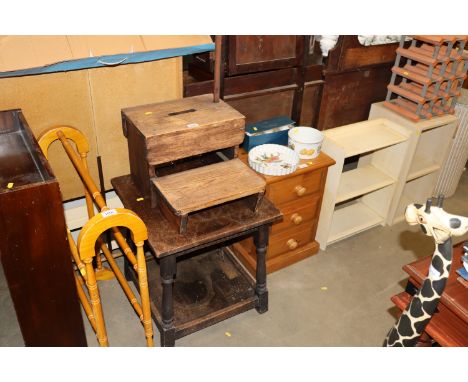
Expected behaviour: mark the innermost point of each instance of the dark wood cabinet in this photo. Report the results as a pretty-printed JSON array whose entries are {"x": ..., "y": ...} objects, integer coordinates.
[
  {"x": 349, "y": 54},
  {"x": 255, "y": 53},
  {"x": 248, "y": 54},
  {"x": 34, "y": 251},
  {"x": 348, "y": 96},
  {"x": 355, "y": 76},
  {"x": 264, "y": 76}
]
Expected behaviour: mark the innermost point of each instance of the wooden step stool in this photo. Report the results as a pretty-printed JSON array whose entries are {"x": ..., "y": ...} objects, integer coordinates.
[
  {"x": 183, "y": 155},
  {"x": 163, "y": 135},
  {"x": 182, "y": 194}
]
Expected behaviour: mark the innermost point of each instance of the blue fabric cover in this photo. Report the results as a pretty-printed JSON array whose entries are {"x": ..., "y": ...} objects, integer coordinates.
[{"x": 112, "y": 60}]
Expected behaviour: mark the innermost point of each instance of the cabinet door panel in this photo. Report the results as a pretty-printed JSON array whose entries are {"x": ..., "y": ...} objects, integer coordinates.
[
  {"x": 256, "y": 53},
  {"x": 258, "y": 106}
]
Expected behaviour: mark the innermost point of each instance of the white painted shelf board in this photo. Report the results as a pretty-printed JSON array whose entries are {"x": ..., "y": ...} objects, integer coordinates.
[
  {"x": 360, "y": 181},
  {"x": 363, "y": 137},
  {"x": 421, "y": 166},
  {"x": 352, "y": 219}
]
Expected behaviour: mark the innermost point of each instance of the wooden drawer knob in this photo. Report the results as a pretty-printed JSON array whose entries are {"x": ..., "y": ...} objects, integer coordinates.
[
  {"x": 300, "y": 190},
  {"x": 296, "y": 218},
  {"x": 292, "y": 244}
]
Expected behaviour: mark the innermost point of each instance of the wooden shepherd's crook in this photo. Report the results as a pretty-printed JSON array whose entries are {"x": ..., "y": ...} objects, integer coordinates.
[
  {"x": 79, "y": 162},
  {"x": 217, "y": 69}
]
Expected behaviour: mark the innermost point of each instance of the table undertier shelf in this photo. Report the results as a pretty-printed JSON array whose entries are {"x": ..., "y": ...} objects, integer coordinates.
[{"x": 209, "y": 288}]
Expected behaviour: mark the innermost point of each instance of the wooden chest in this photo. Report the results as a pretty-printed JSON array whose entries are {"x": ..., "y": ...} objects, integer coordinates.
[
  {"x": 163, "y": 133},
  {"x": 299, "y": 198}
]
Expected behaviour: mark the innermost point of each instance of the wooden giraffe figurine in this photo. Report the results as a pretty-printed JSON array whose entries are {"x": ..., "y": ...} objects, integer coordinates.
[{"x": 435, "y": 222}]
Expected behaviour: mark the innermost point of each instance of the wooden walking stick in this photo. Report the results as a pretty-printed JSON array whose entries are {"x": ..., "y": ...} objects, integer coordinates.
[
  {"x": 63, "y": 133},
  {"x": 98, "y": 199},
  {"x": 90, "y": 233},
  {"x": 218, "y": 74},
  {"x": 82, "y": 145},
  {"x": 79, "y": 281}
]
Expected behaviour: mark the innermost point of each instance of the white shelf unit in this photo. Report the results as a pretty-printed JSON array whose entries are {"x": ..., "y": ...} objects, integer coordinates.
[
  {"x": 360, "y": 198},
  {"x": 415, "y": 191},
  {"x": 429, "y": 145}
]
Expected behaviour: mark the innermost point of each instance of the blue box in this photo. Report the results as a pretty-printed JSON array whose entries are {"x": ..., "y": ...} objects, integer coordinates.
[{"x": 274, "y": 130}]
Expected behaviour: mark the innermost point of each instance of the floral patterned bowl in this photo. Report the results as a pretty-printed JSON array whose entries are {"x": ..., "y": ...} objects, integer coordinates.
[{"x": 273, "y": 159}]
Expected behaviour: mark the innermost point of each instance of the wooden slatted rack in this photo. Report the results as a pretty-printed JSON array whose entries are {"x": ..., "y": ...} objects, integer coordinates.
[{"x": 427, "y": 81}]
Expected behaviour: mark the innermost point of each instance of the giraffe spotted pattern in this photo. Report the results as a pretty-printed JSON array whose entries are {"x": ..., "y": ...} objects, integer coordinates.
[{"x": 441, "y": 226}]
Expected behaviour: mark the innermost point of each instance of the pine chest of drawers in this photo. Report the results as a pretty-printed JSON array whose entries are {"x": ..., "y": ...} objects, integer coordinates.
[{"x": 299, "y": 197}]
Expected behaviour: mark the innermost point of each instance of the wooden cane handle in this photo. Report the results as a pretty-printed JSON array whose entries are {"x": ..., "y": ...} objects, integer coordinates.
[
  {"x": 292, "y": 244},
  {"x": 296, "y": 218},
  {"x": 300, "y": 190}
]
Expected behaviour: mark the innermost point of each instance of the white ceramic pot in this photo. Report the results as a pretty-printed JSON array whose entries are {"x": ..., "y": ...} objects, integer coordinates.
[{"x": 305, "y": 141}]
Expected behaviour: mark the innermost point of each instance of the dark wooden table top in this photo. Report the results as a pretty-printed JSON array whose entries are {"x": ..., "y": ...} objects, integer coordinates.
[
  {"x": 455, "y": 296},
  {"x": 211, "y": 226}
]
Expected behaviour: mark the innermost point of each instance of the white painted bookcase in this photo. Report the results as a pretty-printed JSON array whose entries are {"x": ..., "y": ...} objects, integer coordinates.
[
  {"x": 429, "y": 146},
  {"x": 359, "y": 199}
]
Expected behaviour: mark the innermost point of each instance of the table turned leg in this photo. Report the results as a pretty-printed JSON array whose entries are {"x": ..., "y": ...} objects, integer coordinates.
[
  {"x": 261, "y": 244},
  {"x": 167, "y": 272}
]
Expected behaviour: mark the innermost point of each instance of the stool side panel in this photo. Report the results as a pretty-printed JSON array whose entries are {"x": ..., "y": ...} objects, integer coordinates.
[
  {"x": 137, "y": 151},
  {"x": 193, "y": 141}
]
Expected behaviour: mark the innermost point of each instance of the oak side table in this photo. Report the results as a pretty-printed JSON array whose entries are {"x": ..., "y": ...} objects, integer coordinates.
[{"x": 194, "y": 279}]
